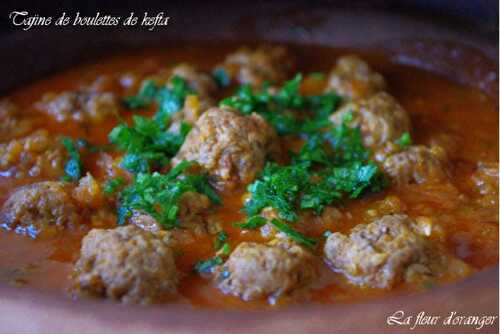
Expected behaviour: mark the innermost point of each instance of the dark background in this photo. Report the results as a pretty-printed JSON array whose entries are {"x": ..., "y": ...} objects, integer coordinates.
[{"x": 480, "y": 16}]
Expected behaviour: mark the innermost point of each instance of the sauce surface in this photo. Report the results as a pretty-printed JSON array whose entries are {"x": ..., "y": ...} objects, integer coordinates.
[{"x": 436, "y": 106}]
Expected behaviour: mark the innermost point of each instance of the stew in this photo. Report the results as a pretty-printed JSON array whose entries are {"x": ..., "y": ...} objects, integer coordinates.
[{"x": 246, "y": 177}]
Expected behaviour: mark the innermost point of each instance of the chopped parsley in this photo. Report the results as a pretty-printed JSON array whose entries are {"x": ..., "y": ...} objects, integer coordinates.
[
  {"x": 171, "y": 99},
  {"x": 330, "y": 167},
  {"x": 404, "y": 141},
  {"x": 113, "y": 185},
  {"x": 147, "y": 144},
  {"x": 159, "y": 195},
  {"x": 220, "y": 240},
  {"x": 252, "y": 223},
  {"x": 144, "y": 97},
  {"x": 73, "y": 167},
  {"x": 293, "y": 234},
  {"x": 287, "y": 110},
  {"x": 221, "y": 77},
  {"x": 207, "y": 266},
  {"x": 278, "y": 187}
]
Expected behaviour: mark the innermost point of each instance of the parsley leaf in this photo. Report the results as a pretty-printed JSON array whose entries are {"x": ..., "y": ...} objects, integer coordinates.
[
  {"x": 207, "y": 266},
  {"x": 171, "y": 99},
  {"x": 220, "y": 240},
  {"x": 112, "y": 185},
  {"x": 279, "y": 187},
  {"x": 252, "y": 223},
  {"x": 293, "y": 234},
  {"x": 287, "y": 110},
  {"x": 329, "y": 167},
  {"x": 73, "y": 167},
  {"x": 347, "y": 142},
  {"x": 221, "y": 77},
  {"x": 146, "y": 143},
  {"x": 144, "y": 97},
  {"x": 404, "y": 141}
]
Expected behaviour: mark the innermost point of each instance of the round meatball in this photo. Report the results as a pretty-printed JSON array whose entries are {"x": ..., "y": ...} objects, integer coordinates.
[
  {"x": 380, "y": 117},
  {"x": 266, "y": 270},
  {"x": 254, "y": 67},
  {"x": 376, "y": 254},
  {"x": 40, "y": 207},
  {"x": 230, "y": 146},
  {"x": 418, "y": 164},
  {"x": 354, "y": 79},
  {"x": 79, "y": 106},
  {"x": 202, "y": 83},
  {"x": 126, "y": 264},
  {"x": 37, "y": 155}
]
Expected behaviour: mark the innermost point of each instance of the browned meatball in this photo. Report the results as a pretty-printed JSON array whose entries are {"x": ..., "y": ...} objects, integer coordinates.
[
  {"x": 126, "y": 264},
  {"x": 253, "y": 67},
  {"x": 37, "y": 155},
  {"x": 376, "y": 254},
  {"x": 44, "y": 207},
  {"x": 354, "y": 79},
  {"x": 13, "y": 124},
  {"x": 418, "y": 164},
  {"x": 380, "y": 117},
  {"x": 230, "y": 146},
  {"x": 79, "y": 106},
  {"x": 202, "y": 83},
  {"x": 266, "y": 270}
]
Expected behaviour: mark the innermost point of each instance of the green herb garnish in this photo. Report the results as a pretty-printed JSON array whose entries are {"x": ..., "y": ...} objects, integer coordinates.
[
  {"x": 113, "y": 185},
  {"x": 220, "y": 240},
  {"x": 404, "y": 141},
  {"x": 288, "y": 110},
  {"x": 147, "y": 144},
  {"x": 207, "y": 266},
  {"x": 295, "y": 235},
  {"x": 144, "y": 97},
  {"x": 73, "y": 167},
  {"x": 159, "y": 194},
  {"x": 221, "y": 77},
  {"x": 252, "y": 223}
]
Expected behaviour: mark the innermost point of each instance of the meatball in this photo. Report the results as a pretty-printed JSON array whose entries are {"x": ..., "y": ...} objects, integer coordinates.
[
  {"x": 418, "y": 164},
  {"x": 37, "y": 155},
  {"x": 380, "y": 117},
  {"x": 254, "y": 67},
  {"x": 200, "y": 82},
  {"x": 377, "y": 254},
  {"x": 266, "y": 270},
  {"x": 126, "y": 264},
  {"x": 79, "y": 106},
  {"x": 230, "y": 146},
  {"x": 13, "y": 125},
  {"x": 354, "y": 79},
  {"x": 40, "y": 207}
]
